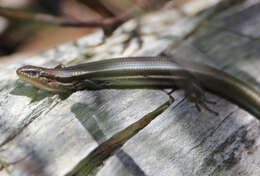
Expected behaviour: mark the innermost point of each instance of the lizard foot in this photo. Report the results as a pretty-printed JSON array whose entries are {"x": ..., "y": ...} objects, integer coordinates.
[{"x": 196, "y": 95}]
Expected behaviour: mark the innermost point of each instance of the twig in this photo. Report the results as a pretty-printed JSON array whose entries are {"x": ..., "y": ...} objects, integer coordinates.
[{"x": 107, "y": 25}]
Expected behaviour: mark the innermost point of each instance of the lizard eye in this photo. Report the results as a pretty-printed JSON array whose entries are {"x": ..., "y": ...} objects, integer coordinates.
[{"x": 34, "y": 73}]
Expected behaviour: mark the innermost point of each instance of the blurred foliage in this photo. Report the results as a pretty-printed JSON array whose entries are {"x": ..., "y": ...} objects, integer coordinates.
[{"x": 35, "y": 25}]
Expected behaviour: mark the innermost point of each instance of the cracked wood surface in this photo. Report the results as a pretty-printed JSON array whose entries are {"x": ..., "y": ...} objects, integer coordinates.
[{"x": 129, "y": 131}]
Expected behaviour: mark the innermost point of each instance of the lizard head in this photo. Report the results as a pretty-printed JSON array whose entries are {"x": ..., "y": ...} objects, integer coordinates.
[{"x": 40, "y": 77}]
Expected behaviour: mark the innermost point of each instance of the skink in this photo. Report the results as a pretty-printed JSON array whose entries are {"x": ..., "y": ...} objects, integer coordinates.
[{"x": 145, "y": 72}]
